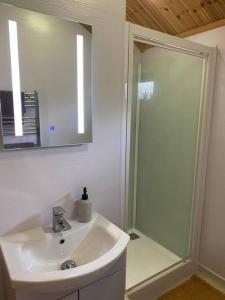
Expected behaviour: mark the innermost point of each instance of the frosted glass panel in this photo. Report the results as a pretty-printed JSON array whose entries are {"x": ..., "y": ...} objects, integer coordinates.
[{"x": 168, "y": 92}]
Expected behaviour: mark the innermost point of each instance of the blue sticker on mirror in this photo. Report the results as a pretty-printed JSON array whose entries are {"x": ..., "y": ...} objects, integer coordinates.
[{"x": 52, "y": 128}]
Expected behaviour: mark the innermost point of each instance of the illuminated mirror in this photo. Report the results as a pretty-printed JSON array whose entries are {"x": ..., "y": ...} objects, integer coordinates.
[{"x": 46, "y": 80}]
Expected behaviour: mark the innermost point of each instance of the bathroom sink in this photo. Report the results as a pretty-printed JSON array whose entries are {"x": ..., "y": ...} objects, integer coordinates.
[{"x": 33, "y": 258}]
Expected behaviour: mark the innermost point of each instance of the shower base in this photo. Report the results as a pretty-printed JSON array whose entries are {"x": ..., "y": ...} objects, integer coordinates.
[{"x": 146, "y": 258}]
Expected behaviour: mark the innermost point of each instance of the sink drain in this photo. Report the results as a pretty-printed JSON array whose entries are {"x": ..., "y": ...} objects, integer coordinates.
[{"x": 68, "y": 264}]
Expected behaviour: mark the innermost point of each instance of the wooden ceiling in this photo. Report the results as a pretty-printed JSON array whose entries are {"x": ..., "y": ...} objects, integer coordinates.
[{"x": 177, "y": 17}]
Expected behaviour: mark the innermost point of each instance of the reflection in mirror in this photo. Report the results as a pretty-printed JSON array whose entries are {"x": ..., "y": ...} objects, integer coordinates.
[{"x": 46, "y": 80}]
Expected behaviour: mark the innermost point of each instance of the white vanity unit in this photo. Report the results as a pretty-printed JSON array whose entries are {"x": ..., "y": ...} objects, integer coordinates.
[{"x": 33, "y": 261}]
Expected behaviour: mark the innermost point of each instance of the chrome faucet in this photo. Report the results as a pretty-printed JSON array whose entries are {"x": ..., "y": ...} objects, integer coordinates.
[{"x": 58, "y": 221}]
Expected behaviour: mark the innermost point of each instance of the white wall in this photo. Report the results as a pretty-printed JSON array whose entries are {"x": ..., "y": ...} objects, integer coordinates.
[
  {"x": 212, "y": 252},
  {"x": 32, "y": 181}
]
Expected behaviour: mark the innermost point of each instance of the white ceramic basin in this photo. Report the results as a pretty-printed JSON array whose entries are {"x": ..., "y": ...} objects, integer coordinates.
[{"x": 34, "y": 257}]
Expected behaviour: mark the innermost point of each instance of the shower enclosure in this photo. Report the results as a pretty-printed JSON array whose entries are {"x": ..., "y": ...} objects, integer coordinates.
[{"x": 168, "y": 115}]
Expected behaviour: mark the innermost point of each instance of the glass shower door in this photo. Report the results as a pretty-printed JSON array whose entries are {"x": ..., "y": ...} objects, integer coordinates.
[
  {"x": 169, "y": 95},
  {"x": 165, "y": 125}
]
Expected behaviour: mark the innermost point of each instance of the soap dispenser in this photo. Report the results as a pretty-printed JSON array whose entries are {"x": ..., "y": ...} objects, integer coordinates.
[{"x": 84, "y": 208}]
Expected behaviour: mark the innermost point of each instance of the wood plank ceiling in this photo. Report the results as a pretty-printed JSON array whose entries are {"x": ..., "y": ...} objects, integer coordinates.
[{"x": 177, "y": 17}]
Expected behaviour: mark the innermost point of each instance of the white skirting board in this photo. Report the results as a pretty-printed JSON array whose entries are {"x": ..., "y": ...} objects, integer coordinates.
[{"x": 212, "y": 278}]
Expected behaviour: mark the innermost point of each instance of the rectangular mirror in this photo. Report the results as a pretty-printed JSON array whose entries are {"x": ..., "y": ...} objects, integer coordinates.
[{"x": 45, "y": 80}]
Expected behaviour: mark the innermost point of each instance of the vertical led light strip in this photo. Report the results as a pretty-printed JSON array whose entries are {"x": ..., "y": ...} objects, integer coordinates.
[
  {"x": 15, "y": 69},
  {"x": 80, "y": 82}
]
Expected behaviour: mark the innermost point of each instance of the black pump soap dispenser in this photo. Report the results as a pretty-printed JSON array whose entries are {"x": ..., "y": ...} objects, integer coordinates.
[{"x": 84, "y": 208}]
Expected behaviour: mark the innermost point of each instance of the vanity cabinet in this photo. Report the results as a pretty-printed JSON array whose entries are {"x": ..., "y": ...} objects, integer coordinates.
[
  {"x": 109, "y": 288},
  {"x": 73, "y": 296},
  {"x": 38, "y": 296}
]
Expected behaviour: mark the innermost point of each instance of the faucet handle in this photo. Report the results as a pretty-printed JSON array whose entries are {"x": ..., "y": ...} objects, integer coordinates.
[{"x": 58, "y": 211}]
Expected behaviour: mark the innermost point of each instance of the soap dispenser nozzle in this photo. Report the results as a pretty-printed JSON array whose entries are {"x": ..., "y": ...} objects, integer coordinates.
[{"x": 84, "y": 195}]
